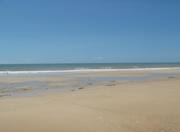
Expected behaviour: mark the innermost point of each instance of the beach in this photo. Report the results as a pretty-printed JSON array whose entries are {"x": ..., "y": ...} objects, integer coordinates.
[
  {"x": 90, "y": 66},
  {"x": 127, "y": 101}
]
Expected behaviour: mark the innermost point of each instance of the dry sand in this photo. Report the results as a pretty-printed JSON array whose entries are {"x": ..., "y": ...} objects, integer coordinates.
[{"x": 145, "y": 106}]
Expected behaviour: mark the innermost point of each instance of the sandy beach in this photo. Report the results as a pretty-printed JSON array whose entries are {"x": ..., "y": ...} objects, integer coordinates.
[
  {"x": 89, "y": 65},
  {"x": 151, "y": 105}
]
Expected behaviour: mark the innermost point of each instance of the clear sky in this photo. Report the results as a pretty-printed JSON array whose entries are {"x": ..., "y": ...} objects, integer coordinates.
[{"x": 61, "y": 31}]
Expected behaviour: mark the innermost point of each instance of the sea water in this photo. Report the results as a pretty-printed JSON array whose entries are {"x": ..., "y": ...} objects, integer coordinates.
[{"x": 82, "y": 67}]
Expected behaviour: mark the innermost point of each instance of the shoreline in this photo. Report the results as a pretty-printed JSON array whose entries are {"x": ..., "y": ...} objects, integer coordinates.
[
  {"x": 13, "y": 85},
  {"x": 88, "y": 70}
]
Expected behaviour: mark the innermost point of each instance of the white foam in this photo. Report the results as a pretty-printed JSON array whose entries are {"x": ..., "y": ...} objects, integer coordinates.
[{"x": 87, "y": 70}]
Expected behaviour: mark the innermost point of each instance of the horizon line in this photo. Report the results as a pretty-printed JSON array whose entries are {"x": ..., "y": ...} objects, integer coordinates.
[{"x": 86, "y": 63}]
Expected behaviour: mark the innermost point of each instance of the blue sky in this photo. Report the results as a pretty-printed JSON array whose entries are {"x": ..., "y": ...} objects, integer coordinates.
[{"x": 69, "y": 31}]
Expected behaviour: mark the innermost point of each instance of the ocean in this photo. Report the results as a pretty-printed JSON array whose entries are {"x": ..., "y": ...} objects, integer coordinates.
[{"x": 78, "y": 67}]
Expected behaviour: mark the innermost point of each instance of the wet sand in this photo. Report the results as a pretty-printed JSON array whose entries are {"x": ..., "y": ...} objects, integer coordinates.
[{"x": 117, "y": 105}]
